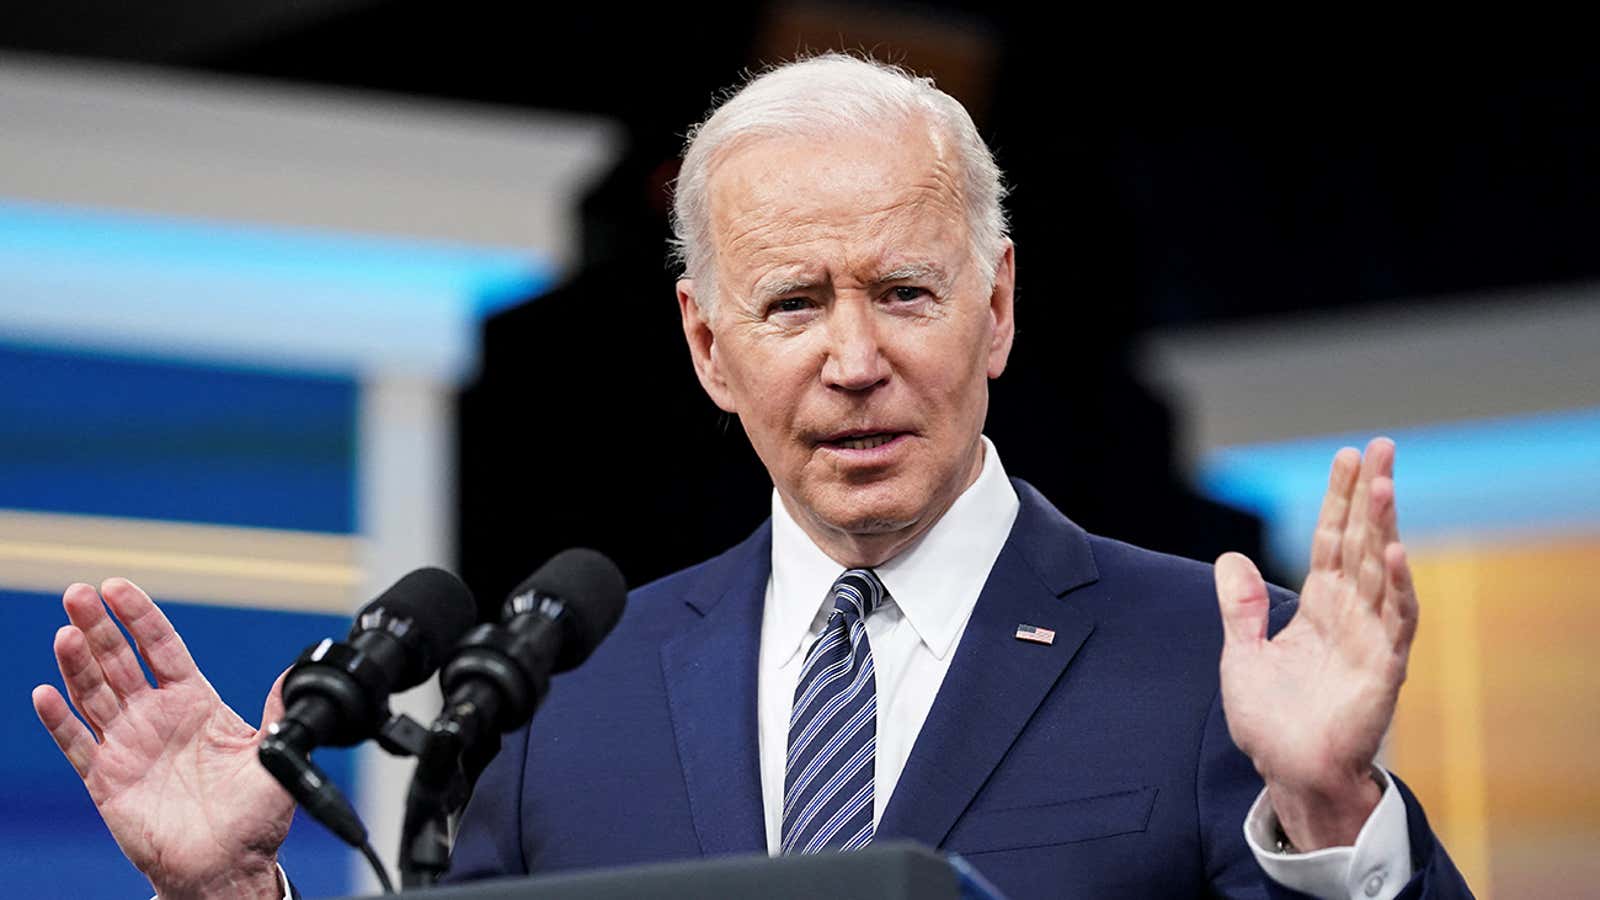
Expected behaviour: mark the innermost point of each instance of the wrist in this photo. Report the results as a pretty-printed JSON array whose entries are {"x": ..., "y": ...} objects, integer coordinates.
[
  {"x": 1315, "y": 816},
  {"x": 254, "y": 880}
]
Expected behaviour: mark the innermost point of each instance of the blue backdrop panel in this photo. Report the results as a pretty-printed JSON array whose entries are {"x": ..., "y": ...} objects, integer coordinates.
[
  {"x": 162, "y": 440},
  {"x": 154, "y": 439},
  {"x": 52, "y": 843}
]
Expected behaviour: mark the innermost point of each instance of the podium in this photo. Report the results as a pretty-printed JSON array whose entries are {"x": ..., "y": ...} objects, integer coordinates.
[{"x": 893, "y": 871}]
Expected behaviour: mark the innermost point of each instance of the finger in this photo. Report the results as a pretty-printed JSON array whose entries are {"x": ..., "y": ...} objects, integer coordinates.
[
  {"x": 1242, "y": 598},
  {"x": 86, "y": 684},
  {"x": 75, "y": 741},
  {"x": 273, "y": 709},
  {"x": 1372, "y": 573},
  {"x": 1352, "y": 546},
  {"x": 1400, "y": 607},
  {"x": 160, "y": 645},
  {"x": 106, "y": 642},
  {"x": 1385, "y": 450},
  {"x": 1335, "y": 509}
]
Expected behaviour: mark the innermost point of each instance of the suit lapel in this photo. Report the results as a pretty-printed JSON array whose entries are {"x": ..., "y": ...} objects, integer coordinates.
[
  {"x": 710, "y": 672},
  {"x": 996, "y": 681}
]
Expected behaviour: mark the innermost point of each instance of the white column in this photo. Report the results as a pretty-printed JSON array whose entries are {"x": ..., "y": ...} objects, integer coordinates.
[{"x": 407, "y": 518}]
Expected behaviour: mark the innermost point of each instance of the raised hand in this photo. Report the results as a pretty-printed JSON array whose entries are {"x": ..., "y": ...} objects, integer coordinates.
[
  {"x": 172, "y": 770},
  {"x": 1311, "y": 706}
]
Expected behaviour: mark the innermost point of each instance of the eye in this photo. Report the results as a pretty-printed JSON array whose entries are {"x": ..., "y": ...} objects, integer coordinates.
[
  {"x": 789, "y": 305},
  {"x": 906, "y": 293}
]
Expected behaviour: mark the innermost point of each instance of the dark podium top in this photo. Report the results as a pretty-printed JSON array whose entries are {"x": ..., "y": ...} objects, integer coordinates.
[{"x": 889, "y": 872}]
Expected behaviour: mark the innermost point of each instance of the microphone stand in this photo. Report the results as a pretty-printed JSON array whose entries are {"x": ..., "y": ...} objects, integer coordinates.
[
  {"x": 494, "y": 682},
  {"x": 450, "y": 756}
]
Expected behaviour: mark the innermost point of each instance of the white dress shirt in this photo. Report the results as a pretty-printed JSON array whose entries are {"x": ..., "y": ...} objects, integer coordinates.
[{"x": 933, "y": 586}]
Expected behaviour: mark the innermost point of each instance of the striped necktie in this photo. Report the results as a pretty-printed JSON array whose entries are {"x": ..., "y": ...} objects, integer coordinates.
[{"x": 833, "y": 729}]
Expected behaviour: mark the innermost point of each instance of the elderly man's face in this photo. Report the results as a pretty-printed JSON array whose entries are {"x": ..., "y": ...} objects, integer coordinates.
[{"x": 853, "y": 332}]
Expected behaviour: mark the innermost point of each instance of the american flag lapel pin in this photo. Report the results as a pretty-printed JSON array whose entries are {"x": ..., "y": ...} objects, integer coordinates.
[{"x": 1036, "y": 634}]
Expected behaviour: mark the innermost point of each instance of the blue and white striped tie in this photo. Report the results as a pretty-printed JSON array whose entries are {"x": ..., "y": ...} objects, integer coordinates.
[{"x": 833, "y": 730}]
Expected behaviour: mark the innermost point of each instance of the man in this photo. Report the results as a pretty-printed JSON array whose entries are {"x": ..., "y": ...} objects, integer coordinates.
[{"x": 914, "y": 646}]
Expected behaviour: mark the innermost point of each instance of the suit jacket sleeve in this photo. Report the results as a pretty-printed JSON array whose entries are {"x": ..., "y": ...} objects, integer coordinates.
[{"x": 1435, "y": 874}]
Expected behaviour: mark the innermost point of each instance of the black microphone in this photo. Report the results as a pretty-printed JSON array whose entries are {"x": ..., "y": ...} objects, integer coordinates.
[
  {"x": 552, "y": 622},
  {"x": 337, "y": 693},
  {"x": 494, "y": 683}
]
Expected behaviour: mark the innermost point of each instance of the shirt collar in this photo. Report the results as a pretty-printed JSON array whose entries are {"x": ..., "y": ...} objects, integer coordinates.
[{"x": 935, "y": 582}]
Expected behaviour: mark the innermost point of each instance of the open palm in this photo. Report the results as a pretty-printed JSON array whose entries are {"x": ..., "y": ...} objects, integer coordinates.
[
  {"x": 1310, "y": 706},
  {"x": 172, "y": 770}
]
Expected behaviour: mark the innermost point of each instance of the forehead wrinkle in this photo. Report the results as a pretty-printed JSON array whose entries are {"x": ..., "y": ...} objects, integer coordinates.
[
  {"x": 776, "y": 224},
  {"x": 748, "y": 207},
  {"x": 867, "y": 246}
]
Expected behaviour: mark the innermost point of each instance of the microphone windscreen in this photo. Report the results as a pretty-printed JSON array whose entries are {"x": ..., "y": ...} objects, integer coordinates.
[
  {"x": 593, "y": 590},
  {"x": 429, "y": 611}
]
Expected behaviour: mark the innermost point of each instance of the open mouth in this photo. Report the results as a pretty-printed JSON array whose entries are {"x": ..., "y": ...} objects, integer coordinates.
[
  {"x": 861, "y": 440},
  {"x": 865, "y": 442}
]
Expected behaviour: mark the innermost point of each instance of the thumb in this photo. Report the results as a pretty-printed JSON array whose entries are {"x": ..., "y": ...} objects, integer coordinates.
[
  {"x": 273, "y": 710},
  {"x": 1242, "y": 597}
]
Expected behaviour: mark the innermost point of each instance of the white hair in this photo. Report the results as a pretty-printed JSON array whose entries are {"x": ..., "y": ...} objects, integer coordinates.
[{"x": 824, "y": 93}]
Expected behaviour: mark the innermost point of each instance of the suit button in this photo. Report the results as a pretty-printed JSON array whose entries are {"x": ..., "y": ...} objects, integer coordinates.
[{"x": 1374, "y": 884}]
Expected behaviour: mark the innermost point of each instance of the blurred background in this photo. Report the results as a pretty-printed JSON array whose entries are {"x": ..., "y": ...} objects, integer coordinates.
[{"x": 298, "y": 296}]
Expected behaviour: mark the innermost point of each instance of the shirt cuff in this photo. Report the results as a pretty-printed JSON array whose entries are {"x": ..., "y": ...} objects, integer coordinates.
[{"x": 1376, "y": 868}]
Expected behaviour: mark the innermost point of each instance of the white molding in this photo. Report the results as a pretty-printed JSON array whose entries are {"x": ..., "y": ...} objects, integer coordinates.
[
  {"x": 1502, "y": 354},
  {"x": 236, "y": 150}
]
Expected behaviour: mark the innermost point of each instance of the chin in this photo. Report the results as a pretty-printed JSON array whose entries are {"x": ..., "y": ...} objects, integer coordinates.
[
  {"x": 869, "y": 515},
  {"x": 873, "y": 525}
]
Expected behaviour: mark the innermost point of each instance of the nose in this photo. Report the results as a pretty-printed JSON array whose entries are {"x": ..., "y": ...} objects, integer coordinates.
[{"x": 855, "y": 355}]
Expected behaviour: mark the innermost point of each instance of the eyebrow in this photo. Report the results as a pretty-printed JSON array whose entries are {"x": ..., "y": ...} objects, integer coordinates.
[
  {"x": 784, "y": 285},
  {"x": 913, "y": 272}
]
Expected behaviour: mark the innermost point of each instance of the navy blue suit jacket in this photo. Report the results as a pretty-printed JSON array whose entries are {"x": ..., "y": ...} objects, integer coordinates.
[{"x": 1097, "y": 766}]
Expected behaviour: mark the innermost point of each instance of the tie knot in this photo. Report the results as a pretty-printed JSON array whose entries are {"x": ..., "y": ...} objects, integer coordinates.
[{"x": 857, "y": 593}]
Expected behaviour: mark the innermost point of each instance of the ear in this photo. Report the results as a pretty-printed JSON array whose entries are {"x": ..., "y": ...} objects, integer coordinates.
[
  {"x": 1002, "y": 310},
  {"x": 703, "y": 347}
]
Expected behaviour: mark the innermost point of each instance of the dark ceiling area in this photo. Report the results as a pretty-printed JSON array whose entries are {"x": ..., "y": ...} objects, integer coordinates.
[
  {"x": 1165, "y": 181},
  {"x": 1206, "y": 179}
]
